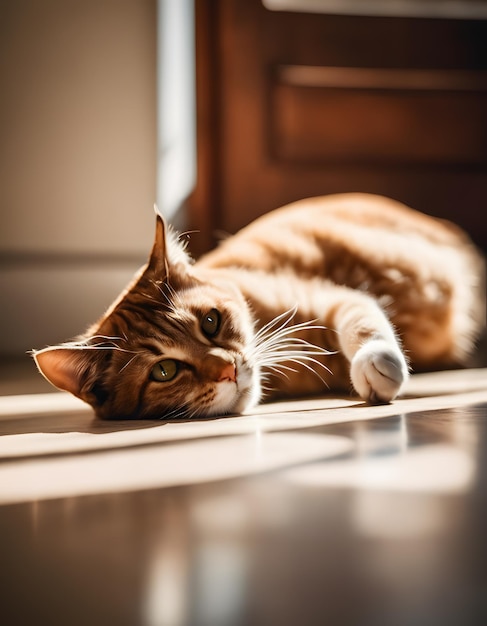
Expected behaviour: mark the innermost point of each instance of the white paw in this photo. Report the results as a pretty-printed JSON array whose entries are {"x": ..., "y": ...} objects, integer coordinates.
[{"x": 378, "y": 371}]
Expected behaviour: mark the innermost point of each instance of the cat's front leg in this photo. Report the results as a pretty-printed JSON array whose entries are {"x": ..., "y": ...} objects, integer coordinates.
[
  {"x": 378, "y": 368},
  {"x": 378, "y": 371}
]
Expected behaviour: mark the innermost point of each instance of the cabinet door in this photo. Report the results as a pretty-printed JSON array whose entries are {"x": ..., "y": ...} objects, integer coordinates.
[{"x": 292, "y": 104}]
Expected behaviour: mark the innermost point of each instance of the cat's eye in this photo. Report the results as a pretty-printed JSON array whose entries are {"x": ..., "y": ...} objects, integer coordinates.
[
  {"x": 210, "y": 324},
  {"x": 164, "y": 371}
]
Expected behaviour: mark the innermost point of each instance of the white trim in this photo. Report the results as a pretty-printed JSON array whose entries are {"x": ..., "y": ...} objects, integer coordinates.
[{"x": 446, "y": 9}]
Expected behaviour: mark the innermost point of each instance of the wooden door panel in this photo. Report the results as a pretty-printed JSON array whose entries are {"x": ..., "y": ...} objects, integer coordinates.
[
  {"x": 365, "y": 122},
  {"x": 292, "y": 105}
]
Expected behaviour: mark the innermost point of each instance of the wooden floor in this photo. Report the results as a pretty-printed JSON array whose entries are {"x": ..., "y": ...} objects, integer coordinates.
[{"x": 324, "y": 511}]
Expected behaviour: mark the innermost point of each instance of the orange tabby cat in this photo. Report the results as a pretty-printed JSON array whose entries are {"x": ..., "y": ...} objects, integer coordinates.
[{"x": 322, "y": 294}]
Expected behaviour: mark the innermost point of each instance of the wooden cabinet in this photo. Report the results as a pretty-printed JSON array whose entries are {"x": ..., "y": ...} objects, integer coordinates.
[{"x": 291, "y": 105}]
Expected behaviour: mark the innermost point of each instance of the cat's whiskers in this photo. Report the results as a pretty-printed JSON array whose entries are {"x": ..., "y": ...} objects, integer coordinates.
[
  {"x": 280, "y": 367},
  {"x": 178, "y": 298},
  {"x": 182, "y": 413},
  {"x": 176, "y": 413},
  {"x": 128, "y": 362},
  {"x": 175, "y": 295},
  {"x": 198, "y": 414},
  {"x": 148, "y": 296},
  {"x": 274, "y": 347},
  {"x": 186, "y": 236},
  {"x": 162, "y": 290},
  {"x": 86, "y": 344}
]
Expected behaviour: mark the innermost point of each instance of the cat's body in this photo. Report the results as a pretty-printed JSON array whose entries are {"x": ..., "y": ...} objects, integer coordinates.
[{"x": 365, "y": 279}]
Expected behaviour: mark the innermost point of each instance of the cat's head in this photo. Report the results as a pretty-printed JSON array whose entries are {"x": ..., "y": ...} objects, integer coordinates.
[{"x": 173, "y": 345}]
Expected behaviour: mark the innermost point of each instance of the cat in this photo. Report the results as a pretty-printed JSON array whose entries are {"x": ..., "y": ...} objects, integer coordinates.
[{"x": 342, "y": 293}]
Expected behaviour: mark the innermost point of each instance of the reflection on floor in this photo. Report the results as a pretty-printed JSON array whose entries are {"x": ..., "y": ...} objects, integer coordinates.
[{"x": 324, "y": 511}]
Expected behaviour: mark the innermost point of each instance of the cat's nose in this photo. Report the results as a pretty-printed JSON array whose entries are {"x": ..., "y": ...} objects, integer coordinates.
[
  {"x": 218, "y": 366},
  {"x": 228, "y": 372}
]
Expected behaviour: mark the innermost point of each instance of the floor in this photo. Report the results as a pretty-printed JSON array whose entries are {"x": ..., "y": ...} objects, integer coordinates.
[{"x": 324, "y": 511}]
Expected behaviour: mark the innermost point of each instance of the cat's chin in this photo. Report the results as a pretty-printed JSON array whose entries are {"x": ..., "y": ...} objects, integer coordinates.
[
  {"x": 236, "y": 397},
  {"x": 238, "y": 403}
]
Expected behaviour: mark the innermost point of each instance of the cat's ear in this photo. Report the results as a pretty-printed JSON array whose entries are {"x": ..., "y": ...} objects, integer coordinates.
[
  {"x": 158, "y": 261},
  {"x": 169, "y": 250},
  {"x": 72, "y": 369}
]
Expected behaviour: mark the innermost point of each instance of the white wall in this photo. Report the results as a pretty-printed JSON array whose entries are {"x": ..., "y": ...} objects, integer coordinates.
[{"x": 79, "y": 156}]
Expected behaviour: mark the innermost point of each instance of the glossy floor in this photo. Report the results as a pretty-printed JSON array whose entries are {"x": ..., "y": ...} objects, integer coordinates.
[{"x": 321, "y": 512}]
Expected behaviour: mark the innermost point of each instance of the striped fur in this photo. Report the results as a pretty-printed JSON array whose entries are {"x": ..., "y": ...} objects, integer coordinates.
[{"x": 342, "y": 293}]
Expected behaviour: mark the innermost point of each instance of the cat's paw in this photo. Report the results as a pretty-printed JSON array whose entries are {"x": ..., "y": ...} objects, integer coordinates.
[{"x": 378, "y": 371}]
